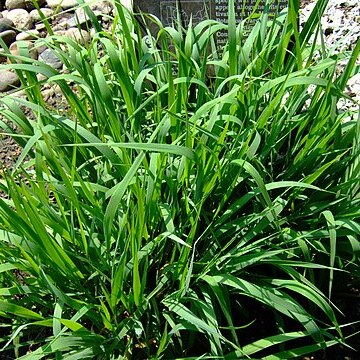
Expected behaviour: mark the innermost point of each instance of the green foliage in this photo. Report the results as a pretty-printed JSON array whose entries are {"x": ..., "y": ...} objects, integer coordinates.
[{"x": 184, "y": 203}]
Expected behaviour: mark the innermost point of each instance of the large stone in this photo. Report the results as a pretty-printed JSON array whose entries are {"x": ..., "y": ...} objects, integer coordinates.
[
  {"x": 14, "y": 48},
  {"x": 15, "y": 4},
  {"x": 6, "y": 24},
  {"x": 8, "y": 80},
  {"x": 22, "y": 4},
  {"x": 65, "y": 4},
  {"x": 80, "y": 36},
  {"x": 49, "y": 58},
  {"x": 8, "y": 36},
  {"x": 46, "y": 12},
  {"x": 21, "y": 19}
]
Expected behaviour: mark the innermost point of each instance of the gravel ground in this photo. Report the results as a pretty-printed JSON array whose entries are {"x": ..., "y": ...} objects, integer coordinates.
[{"x": 341, "y": 28}]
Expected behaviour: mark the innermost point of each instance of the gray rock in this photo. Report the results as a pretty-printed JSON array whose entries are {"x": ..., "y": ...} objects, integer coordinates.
[
  {"x": 6, "y": 24},
  {"x": 49, "y": 58},
  {"x": 36, "y": 16},
  {"x": 21, "y": 19},
  {"x": 8, "y": 36},
  {"x": 8, "y": 80}
]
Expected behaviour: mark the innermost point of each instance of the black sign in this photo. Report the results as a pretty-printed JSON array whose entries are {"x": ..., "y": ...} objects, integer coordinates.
[{"x": 169, "y": 11}]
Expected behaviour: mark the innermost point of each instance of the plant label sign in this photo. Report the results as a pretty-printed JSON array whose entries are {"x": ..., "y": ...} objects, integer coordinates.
[{"x": 169, "y": 11}]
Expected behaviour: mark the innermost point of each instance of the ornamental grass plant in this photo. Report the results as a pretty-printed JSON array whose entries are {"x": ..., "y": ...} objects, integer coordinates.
[{"x": 186, "y": 201}]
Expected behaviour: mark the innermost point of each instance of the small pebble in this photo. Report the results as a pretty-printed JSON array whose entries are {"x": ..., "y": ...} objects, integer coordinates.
[
  {"x": 40, "y": 27},
  {"x": 41, "y": 77}
]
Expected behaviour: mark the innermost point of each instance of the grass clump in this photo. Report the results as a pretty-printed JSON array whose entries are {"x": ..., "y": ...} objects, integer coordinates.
[{"x": 185, "y": 203}]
